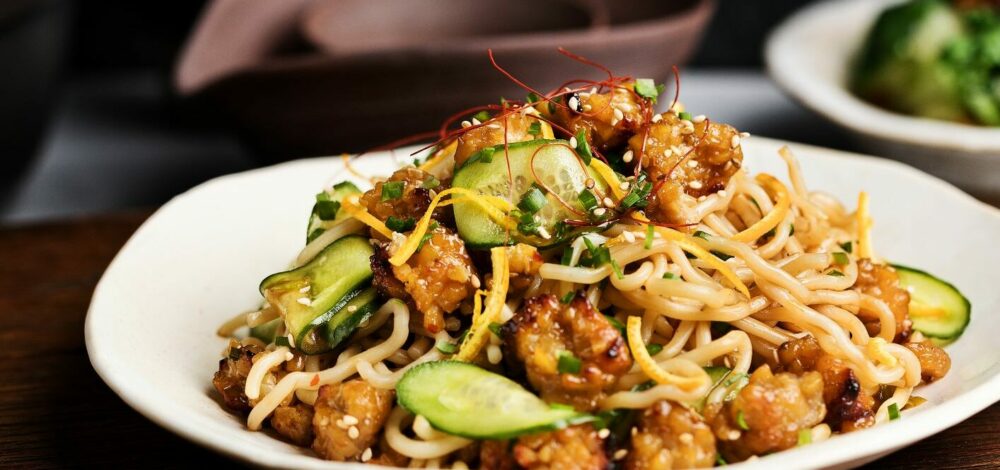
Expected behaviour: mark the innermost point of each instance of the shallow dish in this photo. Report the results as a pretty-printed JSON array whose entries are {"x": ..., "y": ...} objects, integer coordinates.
[
  {"x": 809, "y": 56},
  {"x": 150, "y": 328}
]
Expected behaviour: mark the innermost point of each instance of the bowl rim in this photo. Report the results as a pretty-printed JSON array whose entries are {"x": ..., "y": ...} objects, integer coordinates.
[
  {"x": 919, "y": 426},
  {"x": 826, "y": 95},
  {"x": 699, "y": 12}
]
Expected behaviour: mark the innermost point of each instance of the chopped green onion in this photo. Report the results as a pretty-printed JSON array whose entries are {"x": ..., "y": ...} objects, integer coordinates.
[
  {"x": 582, "y": 147},
  {"x": 616, "y": 324},
  {"x": 721, "y": 255},
  {"x": 741, "y": 421},
  {"x": 630, "y": 200},
  {"x": 805, "y": 436},
  {"x": 840, "y": 258},
  {"x": 533, "y": 97},
  {"x": 482, "y": 116},
  {"x": 847, "y": 246},
  {"x": 617, "y": 269},
  {"x": 392, "y": 190},
  {"x": 561, "y": 406},
  {"x": 535, "y": 128},
  {"x": 532, "y": 200},
  {"x": 637, "y": 195},
  {"x": 495, "y": 328},
  {"x": 486, "y": 155},
  {"x": 446, "y": 347},
  {"x": 343, "y": 184},
  {"x": 400, "y": 225},
  {"x": 588, "y": 200},
  {"x": 669, "y": 275},
  {"x": 684, "y": 115},
  {"x": 428, "y": 235},
  {"x": 567, "y": 256},
  {"x": 893, "y": 412},
  {"x": 647, "y": 88},
  {"x": 431, "y": 182},
  {"x": 568, "y": 363},
  {"x": 282, "y": 341},
  {"x": 720, "y": 461},
  {"x": 326, "y": 210},
  {"x": 791, "y": 231},
  {"x": 568, "y": 297},
  {"x": 702, "y": 235},
  {"x": 648, "y": 243},
  {"x": 653, "y": 348},
  {"x": 835, "y": 273}
]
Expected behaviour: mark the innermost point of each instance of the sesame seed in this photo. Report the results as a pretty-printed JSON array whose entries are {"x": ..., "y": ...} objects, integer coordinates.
[
  {"x": 608, "y": 202},
  {"x": 695, "y": 184},
  {"x": 476, "y": 283},
  {"x": 305, "y": 289},
  {"x": 466, "y": 124},
  {"x": 304, "y": 301},
  {"x": 350, "y": 420},
  {"x": 475, "y": 122},
  {"x": 673, "y": 149},
  {"x": 735, "y": 142},
  {"x": 593, "y": 90},
  {"x": 692, "y": 163},
  {"x": 627, "y": 157},
  {"x": 635, "y": 431},
  {"x": 687, "y": 129},
  {"x": 702, "y": 198},
  {"x": 686, "y": 438},
  {"x": 573, "y": 103},
  {"x": 614, "y": 121},
  {"x": 366, "y": 455},
  {"x": 628, "y": 236},
  {"x": 623, "y": 186},
  {"x": 587, "y": 107},
  {"x": 572, "y": 142},
  {"x": 733, "y": 435},
  {"x": 657, "y": 118},
  {"x": 604, "y": 433},
  {"x": 352, "y": 308},
  {"x": 590, "y": 183},
  {"x": 619, "y": 115},
  {"x": 723, "y": 193},
  {"x": 341, "y": 424},
  {"x": 600, "y": 211},
  {"x": 698, "y": 118},
  {"x": 620, "y": 454},
  {"x": 353, "y": 432}
]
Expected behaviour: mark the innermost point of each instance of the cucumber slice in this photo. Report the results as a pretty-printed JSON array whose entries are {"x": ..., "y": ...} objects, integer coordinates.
[
  {"x": 334, "y": 326},
  {"x": 465, "y": 400},
  {"x": 555, "y": 164},
  {"x": 266, "y": 331},
  {"x": 937, "y": 308},
  {"x": 722, "y": 377},
  {"x": 327, "y": 201},
  {"x": 309, "y": 295}
]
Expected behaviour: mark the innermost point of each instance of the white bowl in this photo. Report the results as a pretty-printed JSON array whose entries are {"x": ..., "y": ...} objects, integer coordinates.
[
  {"x": 810, "y": 55},
  {"x": 151, "y": 326}
]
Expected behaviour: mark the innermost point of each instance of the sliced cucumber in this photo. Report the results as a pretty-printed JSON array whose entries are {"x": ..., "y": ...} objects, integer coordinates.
[
  {"x": 465, "y": 400},
  {"x": 557, "y": 168},
  {"x": 327, "y": 204},
  {"x": 937, "y": 308},
  {"x": 266, "y": 331},
  {"x": 330, "y": 329},
  {"x": 309, "y": 295},
  {"x": 722, "y": 377}
]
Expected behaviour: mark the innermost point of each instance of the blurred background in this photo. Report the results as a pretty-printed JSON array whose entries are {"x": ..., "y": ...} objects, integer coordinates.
[{"x": 103, "y": 109}]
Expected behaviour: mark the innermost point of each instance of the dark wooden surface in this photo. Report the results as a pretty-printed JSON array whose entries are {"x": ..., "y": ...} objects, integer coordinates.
[{"x": 56, "y": 412}]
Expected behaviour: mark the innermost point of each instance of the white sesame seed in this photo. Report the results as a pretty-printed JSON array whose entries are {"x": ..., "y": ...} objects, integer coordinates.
[
  {"x": 657, "y": 118},
  {"x": 600, "y": 211},
  {"x": 366, "y": 455},
  {"x": 733, "y": 435},
  {"x": 687, "y": 129},
  {"x": 702, "y": 198},
  {"x": 619, "y": 115},
  {"x": 304, "y": 301},
  {"x": 466, "y": 124},
  {"x": 604, "y": 433},
  {"x": 352, "y": 308},
  {"x": 620, "y": 454},
  {"x": 692, "y": 163},
  {"x": 623, "y": 186},
  {"x": 350, "y": 420},
  {"x": 723, "y": 193},
  {"x": 590, "y": 183},
  {"x": 695, "y": 184},
  {"x": 673, "y": 149},
  {"x": 305, "y": 289},
  {"x": 573, "y": 103},
  {"x": 628, "y": 236},
  {"x": 735, "y": 142},
  {"x": 593, "y": 90},
  {"x": 587, "y": 107},
  {"x": 475, "y": 122},
  {"x": 627, "y": 157},
  {"x": 476, "y": 283},
  {"x": 614, "y": 121},
  {"x": 353, "y": 432},
  {"x": 289, "y": 356},
  {"x": 608, "y": 202},
  {"x": 686, "y": 438},
  {"x": 341, "y": 424},
  {"x": 698, "y": 118},
  {"x": 572, "y": 142}
]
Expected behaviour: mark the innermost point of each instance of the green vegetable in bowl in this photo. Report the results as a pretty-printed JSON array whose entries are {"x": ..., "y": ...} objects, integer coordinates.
[{"x": 930, "y": 59}]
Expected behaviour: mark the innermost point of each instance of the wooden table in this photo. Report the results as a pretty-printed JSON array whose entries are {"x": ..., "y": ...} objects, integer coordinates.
[{"x": 56, "y": 412}]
